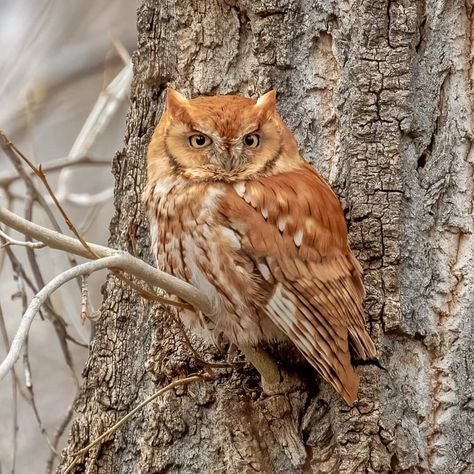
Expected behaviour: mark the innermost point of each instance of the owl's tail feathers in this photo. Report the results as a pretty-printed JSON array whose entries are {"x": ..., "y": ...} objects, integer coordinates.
[
  {"x": 346, "y": 383},
  {"x": 361, "y": 344}
]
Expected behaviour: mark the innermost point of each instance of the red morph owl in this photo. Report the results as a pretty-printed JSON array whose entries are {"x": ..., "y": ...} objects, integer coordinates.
[{"x": 236, "y": 212}]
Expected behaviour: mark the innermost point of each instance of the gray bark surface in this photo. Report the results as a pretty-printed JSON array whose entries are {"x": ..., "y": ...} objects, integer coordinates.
[{"x": 379, "y": 96}]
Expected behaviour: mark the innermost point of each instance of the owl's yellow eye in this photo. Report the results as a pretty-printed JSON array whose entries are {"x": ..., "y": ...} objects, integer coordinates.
[
  {"x": 199, "y": 141},
  {"x": 252, "y": 140}
]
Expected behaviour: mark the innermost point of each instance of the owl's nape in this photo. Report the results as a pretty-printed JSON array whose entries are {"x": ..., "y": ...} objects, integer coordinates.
[{"x": 235, "y": 211}]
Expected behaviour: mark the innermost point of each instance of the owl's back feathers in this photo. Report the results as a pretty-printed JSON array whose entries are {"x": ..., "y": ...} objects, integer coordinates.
[{"x": 292, "y": 228}]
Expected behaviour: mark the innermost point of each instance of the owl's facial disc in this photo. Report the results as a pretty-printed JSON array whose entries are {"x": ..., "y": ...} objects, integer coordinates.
[{"x": 222, "y": 137}]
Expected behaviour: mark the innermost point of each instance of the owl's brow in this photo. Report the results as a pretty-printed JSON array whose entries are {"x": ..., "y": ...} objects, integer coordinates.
[
  {"x": 198, "y": 130},
  {"x": 253, "y": 128},
  {"x": 248, "y": 131}
]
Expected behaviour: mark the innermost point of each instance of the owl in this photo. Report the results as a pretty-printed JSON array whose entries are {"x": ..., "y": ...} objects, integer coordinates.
[{"x": 236, "y": 212}]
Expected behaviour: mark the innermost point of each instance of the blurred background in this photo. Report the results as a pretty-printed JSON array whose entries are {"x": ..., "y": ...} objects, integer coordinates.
[{"x": 64, "y": 82}]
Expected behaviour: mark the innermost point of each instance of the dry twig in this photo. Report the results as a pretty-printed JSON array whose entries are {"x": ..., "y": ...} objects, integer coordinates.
[
  {"x": 76, "y": 455},
  {"x": 57, "y": 165},
  {"x": 100, "y": 116},
  {"x": 15, "y": 385},
  {"x": 133, "y": 266},
  {"x": 22, "y": 243},
  {"x": 8, "y": 145},
  {"x": 266, "y": 366}
]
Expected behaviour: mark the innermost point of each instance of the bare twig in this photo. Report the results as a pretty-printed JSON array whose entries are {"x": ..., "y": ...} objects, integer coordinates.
[
  {"x": 22, "y": 243},
  {"x": 121, "y": 261},
  {"x": 29, "y": 386},
  {"x": 15, "y": 386},
  {"x": 9, "y": 145},
  {"x": 175, "y": 383},
  {"x": 20, "y": 271},
  {"x": 56, "y": 320},
  {"x": 58, "y": 165},
  {"x": 100, "y": 116},
  {"x": 57, "y": 436},
  {"x": 87, "y": 199},
  {"x": 121, "y": 49},
  {"x": 131, "y": 265},
  {"x": 89, "y": 219},
  {"x": 32, "y": 190},
  {"x": 36, "y": 303},
  {"x": 102, "y": 112}
]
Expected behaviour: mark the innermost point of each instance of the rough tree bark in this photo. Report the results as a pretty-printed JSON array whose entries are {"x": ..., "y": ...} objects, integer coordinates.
[{"x": 379, "y": 96}]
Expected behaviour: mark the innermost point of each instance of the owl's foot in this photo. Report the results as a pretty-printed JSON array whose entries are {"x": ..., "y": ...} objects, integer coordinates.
[{"x": 275, "y": 380}]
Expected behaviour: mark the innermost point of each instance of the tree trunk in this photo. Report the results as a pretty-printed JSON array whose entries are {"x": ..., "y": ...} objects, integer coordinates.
[{"x": 378, "y": 94}]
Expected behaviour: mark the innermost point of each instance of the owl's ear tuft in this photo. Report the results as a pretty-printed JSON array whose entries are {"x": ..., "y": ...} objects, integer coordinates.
[
  {"x": 176, "y": 105},
  {"x": 266, "y": 104}
]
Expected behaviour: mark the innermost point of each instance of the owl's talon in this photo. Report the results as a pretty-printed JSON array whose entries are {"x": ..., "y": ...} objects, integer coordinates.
[
  {"x": 275, "y": 380},
  {"x": 288, "y": 383}
]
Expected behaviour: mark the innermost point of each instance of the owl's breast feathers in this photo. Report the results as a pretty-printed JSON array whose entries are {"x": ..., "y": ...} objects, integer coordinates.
[{"x": 272, "y": 251}]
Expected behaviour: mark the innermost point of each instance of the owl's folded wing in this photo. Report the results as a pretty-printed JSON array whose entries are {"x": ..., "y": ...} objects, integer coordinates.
[{"x": 292, "y": 227}]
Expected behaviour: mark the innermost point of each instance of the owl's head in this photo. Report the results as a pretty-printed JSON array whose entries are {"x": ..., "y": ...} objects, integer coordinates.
[{"x": 221, "y": 138}]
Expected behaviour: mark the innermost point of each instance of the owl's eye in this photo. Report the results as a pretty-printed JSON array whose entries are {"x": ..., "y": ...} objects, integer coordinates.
[
  {"x": 252, "y": 140},
  {"x": 199, "y": 141}
]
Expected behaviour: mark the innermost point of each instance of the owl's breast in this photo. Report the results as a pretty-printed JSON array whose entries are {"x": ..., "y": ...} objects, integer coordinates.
[
  {"x": 182, "y": 217},
  {"x": 193, "y": 241}
]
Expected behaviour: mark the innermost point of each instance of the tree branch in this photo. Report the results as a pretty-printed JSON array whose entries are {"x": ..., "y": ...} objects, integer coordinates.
[
  {"x": 132, "y": 265},
  {"x": 57, "y": 165},
  {"x": 22, "y": 243},
  {"x": 156, "y": 278},
  {"x": 42, "y": 296}
]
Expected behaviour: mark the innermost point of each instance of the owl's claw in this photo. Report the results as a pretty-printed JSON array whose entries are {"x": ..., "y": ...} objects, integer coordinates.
[{"x": 275, "y": 380}]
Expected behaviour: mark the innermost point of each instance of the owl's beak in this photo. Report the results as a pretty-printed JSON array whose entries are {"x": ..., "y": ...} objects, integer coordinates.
[
  {"x": 227, "y": 163},
  {"x": 223, "y": 158}
]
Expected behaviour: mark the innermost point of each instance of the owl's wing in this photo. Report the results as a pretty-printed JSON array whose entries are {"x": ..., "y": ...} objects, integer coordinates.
[{"x": 292, "y": 227}]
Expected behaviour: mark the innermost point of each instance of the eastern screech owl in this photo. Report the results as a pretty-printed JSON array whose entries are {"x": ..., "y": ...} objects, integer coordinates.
[{"x": 236, "y": 212}]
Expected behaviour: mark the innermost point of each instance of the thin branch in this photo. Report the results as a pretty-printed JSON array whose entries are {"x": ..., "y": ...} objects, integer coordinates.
[
  {"x": 121, "y": 49},
  {"x": 57, "y": 321},
  {"x": 57, "y": 165},
  {"x": 123, "y": 262},
  {"x": 21, "y": 272},
  {"x": 131, "y": 265},
  {"x": 100, "y": 116},
  {"x": 87, "y": 199},
  {"x": 89, "y": 219},
  {"x": 29, "y": 386},
  {"x": 31, "y": 188},
  {"x": 22, "y": 243},
  {"x": 15, "y": 385},
  {"x": 102, "y": 112},
  {"x": 84, "y": 298},
  {"x": 8, "y": 145},
  {"x": 185, "y": 381},
  {"x": 38, "y": 300},
  {"x": 57, "y": 436}
]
